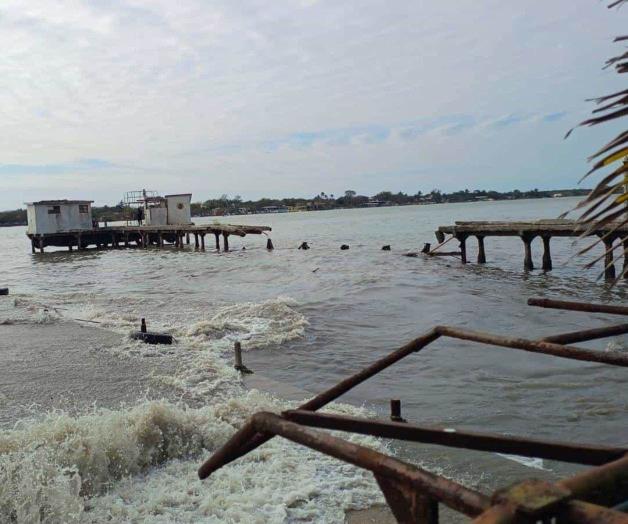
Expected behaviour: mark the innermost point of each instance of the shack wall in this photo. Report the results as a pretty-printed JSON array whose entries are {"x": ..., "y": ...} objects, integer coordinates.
[
  {"x": 156, "y": 216},
  {"x": 179, "y": 209},
  {"x": 42, "y": 222}
]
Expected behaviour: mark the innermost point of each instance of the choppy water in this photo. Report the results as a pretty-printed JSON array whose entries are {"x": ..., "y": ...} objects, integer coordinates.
[{"x": 309, "y": 319}]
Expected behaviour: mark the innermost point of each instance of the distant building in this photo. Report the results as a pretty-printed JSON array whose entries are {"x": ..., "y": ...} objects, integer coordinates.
[
  {"x": 58, "y": 216},
  {"x": 170, "y": 210}
]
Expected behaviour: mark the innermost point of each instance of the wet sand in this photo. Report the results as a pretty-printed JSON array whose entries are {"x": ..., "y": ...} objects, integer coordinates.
[{"x": 42, "y": 360}]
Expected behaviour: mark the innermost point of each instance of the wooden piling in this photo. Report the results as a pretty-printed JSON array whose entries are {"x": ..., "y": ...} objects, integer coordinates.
[
  {"x": 609, "y": 266},
  {"x": 196, "y": 244},
  {"x": 527, "y": 245},
  {"x": 481, "y": 252},
  {"x": 203, "y": 241},
  {"x": 217, "y": 235},
  {"x": 41, "y": 244},
  {"x": 225, "y": 241},
  {"x": 237, "y": 349},
  {"x": 547, "y": 254},
  {"x": 160, "y": 237},
  {"x": 33, "y": 245},
  {"x": 187, "y": 239}
]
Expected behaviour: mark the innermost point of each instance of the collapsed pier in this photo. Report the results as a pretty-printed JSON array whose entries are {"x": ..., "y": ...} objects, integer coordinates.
[
  {"x": 118, "y": 237},
  {"x": 527, "y": 232}
]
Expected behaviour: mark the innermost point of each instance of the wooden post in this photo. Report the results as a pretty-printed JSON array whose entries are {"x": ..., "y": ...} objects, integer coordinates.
[
  {"x": 269, "y": 245},
  {"x": 70, "y": 247},
  {"x": 217, "y": 241},
  {"x": 609, "y": 267},
  {"x": 237, "y": 348},
  {"x": 196, "y": 245},
  {"x": 126, "y": 239},
  {"x": 33, "y": 245},
  {"x": 225, "y": 241},
  {"x": 145, "y": 240},
  {"x": 187, "y": 238},
  {"x": 79, "y": 242},
  {"x": 547, "y": 254},
  {"x": 463, "y": 247},
  {"x": 203, "y": 241},
  {"x": 41, "y": 244},
  {"x": 481, "y": 252},
  {"x": 528, "y": 265}
]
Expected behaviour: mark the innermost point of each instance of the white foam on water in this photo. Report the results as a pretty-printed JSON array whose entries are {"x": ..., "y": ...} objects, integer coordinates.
[
  {"x": 530, "y": 462},
  {"x": 139, "y": 463}
]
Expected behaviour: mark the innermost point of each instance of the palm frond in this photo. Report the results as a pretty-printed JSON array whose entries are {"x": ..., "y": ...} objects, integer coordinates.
[{"x": 604, "y": 212}]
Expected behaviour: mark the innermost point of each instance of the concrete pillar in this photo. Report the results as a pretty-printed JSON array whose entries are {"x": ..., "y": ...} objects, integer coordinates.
[
  {"x": 481, "y": 252},
  {"x": 547, "y": 254},
  {"x": 609, "y": 266},
  {"x": 528, "y": 265},
  {"x": 463, "y": 247}
]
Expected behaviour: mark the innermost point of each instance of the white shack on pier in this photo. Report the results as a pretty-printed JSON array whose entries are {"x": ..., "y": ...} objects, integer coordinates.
[
  {"x": 58, "y": 216},
  {"x": 179, "y": 209}
]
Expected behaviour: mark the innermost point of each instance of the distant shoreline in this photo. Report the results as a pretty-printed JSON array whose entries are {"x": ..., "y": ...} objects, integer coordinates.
[{"x": 117, "y": 215}]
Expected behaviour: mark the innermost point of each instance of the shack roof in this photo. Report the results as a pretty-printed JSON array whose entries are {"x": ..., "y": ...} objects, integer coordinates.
[
  {"x": 58, "y": 202},
  {"x": 179, "y": 194}
]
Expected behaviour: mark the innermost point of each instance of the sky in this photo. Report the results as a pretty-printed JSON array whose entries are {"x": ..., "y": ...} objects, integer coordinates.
[{"x": 286, "y": 98}]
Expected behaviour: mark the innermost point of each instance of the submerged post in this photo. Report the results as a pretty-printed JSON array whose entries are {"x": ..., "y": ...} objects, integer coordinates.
[
  {"x": 527, "y": 245},
  {"x": 547, "y": 255},
  {"x": 269, "y": 245},
  {"x": 395, "y": 411},
  {"x": 481, "y": 252},
  {"x": 609, "y": 266}
]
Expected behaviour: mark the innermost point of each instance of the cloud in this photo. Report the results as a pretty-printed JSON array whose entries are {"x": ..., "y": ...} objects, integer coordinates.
[
  {"x": 266, "y": 97},
  {"x": 80, "y": 166}
]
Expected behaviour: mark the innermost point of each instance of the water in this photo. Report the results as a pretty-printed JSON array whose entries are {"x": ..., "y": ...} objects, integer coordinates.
[{"x": 308, "y": 319}]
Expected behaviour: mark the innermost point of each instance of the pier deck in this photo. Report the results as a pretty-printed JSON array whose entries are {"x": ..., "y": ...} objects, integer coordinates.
[
  {"x": 528, "y": 231},
  {"x": 143, "y": 236}
]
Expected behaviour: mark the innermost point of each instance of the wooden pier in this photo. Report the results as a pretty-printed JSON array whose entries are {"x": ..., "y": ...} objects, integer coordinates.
[
  {"x": 528, "y": 231},
  {"x": 118, "y": 237}
]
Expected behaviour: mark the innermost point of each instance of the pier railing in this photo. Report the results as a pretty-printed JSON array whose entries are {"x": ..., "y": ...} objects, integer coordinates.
[{"x": 598, "y": 495}]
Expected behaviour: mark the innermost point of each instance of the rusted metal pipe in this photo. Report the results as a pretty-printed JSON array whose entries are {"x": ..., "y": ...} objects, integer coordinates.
[
  {"x": 578, "y": 306},
  {"x": 613, "y": 358},
  {"x": 450, "y": 493},
  {"x": 607, "y": 484},
  {"x": 588, "y": 334},
  {"x": 561, "y": 451},
  {"x": 216, "y": 461}
]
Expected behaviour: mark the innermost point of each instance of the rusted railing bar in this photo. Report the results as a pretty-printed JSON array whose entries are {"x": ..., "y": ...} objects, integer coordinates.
[
  {"x": 342, "y": 387},
  {"x": 606, "y": 485},
  {"x": 578, "y": 306},
  {"x": 538, "y": 346},
  {"x": 219, "y": 459},
  {"x": 574, "y": 511},
  {"x": 561, "y": 451},
  {"x": 233, "y": 447},
  {"x": 585, "y": 513},
  {"x": 450, "y": 493},
  {"x": 588, "y": 334}
]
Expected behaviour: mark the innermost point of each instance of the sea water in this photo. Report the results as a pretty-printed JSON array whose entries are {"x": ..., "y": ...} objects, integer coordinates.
[{"x": 304, "y": 318}]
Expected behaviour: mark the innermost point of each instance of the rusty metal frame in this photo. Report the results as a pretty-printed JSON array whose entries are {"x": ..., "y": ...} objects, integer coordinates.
[{"x": 413, "y": 493}]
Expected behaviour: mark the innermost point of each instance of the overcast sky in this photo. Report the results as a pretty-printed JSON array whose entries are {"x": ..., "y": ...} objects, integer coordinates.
[{"x": 290, "y": 98}]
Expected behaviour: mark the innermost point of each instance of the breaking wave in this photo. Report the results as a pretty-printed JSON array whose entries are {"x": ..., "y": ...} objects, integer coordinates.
[{"x": 140, "y": 463}]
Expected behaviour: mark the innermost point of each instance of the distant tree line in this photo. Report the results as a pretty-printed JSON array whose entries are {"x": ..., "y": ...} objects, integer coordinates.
[{"x": 350, "y": 199}]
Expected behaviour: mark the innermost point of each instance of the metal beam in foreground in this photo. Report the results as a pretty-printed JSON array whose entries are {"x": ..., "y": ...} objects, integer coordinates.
[{"x": 561, "y": 451}]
